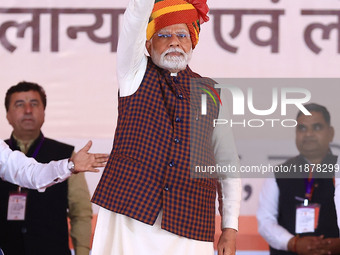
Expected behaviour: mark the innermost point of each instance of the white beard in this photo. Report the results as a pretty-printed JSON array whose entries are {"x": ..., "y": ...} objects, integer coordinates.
[{"x": 172, "y": 63}]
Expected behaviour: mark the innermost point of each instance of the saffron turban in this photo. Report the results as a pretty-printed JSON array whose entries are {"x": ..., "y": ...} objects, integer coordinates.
[{"x": 169, "y": 12}]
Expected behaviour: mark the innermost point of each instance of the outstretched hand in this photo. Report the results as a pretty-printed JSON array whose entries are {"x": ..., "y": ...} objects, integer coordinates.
[{"x": 88, "y": 162}]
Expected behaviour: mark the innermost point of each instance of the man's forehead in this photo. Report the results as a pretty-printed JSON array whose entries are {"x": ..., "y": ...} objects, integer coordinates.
[
  {"x": 26, "y": 95},
  {"x": 315, "y": 118}
]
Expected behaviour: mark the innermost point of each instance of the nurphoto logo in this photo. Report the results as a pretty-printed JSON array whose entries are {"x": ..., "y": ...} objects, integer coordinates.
[
  {"x": 204, "y": 98},
  {"x": 279, "y": 100}
]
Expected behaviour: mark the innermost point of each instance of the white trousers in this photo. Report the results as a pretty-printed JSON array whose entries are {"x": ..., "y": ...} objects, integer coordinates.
[{"x": 117, "y": 234}]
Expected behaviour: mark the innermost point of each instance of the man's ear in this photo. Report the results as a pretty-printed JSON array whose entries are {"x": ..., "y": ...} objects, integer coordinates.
[
  {"x": 9, "y": 119},
  {"x": 331, "y": 133},
  {"x": 148, "y": 46}
]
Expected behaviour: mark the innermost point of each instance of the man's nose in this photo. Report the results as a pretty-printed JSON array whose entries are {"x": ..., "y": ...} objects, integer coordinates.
[
  {"x": 174, "y": 41},
  {"x": 309, "y": 132},
  {"x": 28, "y": 108}
]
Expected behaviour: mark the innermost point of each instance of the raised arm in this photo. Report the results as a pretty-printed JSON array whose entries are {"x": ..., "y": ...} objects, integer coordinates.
[{"x": 131, "y": 59}]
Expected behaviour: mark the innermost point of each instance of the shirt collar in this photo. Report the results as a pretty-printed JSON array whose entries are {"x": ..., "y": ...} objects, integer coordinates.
[{"x": 24, "y": 147}]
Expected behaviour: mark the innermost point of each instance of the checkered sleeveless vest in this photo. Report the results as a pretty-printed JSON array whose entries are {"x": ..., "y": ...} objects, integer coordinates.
[{"x": 149, "y": 166}]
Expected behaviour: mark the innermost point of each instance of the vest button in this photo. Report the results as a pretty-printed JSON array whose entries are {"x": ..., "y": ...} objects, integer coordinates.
[
  {"x": 178, "y": 119},
  {"x": 171, "y": 164},
  {"x": 180, "y": 96},
  {"x": 176, "y": 140},
  {"x": 166, "y": 188}
]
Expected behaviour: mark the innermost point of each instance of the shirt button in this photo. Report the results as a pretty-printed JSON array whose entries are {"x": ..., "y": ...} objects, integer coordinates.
[
  {"x": 175, "y": 79},
  {"x": 180, "y": 96},
  {"x": 171, "y": 164},
  {"x": 178, "y": 119},
  {"x": 176, "y": 140},
  {"x": 166, "y": 188}
]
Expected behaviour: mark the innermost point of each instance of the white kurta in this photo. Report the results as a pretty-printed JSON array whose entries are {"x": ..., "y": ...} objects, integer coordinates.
[
  {"x": 267, "y": 215},
  {"x": 119, "y": 234},
  {"x": 16, "y": 168}
]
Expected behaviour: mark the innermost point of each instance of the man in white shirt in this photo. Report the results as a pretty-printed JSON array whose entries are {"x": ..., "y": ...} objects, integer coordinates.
[{"x": 297, "y": 215}]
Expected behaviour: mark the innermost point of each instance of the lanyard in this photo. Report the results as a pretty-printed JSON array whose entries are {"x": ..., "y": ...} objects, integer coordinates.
[
  {"x": 309, "y": 186},
  {"x": 37, "y": 149}
]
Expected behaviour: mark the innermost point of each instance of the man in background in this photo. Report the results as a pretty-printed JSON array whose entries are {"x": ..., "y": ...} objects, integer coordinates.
[
  {"x": 283, "y": 203},
  {"x": 42, "y": 227}
]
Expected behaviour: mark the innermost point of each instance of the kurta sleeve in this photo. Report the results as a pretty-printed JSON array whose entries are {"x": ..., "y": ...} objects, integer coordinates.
[
  {"x": 229, "y": 184},
  {"x": 267, "y": 214},
  {"x": 16, "y": 168},
  {"x": 337, "y": 191},
  {"x": 131, "y": 59}
]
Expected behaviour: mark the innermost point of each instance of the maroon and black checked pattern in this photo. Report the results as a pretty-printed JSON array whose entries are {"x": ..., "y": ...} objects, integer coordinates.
[
  {"x": 149, "y": 164},
  {"x": 200, "y": 134}
]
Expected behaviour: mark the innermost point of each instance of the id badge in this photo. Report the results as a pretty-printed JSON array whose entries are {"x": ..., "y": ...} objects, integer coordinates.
[
  {"x": 307, "y": 218},
  {"x": 16, "y": 206}
]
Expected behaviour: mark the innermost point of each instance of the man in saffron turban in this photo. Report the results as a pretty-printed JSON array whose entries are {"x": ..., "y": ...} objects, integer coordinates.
[{"x": 149, "y": 203}]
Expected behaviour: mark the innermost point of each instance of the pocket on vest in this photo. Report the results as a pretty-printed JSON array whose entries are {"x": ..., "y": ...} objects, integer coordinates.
[{"x": 205, "y": 183}]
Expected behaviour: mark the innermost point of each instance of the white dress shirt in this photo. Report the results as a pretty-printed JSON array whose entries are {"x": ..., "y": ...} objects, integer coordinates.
[
  {"x": 337, "y": 192},
  {"x": 16, "y": 168},
  {"x": 267, "y": 213}
]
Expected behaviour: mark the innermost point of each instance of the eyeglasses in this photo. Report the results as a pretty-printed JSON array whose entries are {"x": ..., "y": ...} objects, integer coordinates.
[{"x": 180, "y": 35}]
